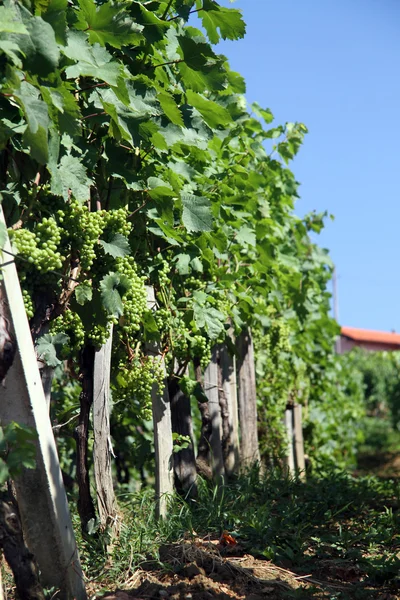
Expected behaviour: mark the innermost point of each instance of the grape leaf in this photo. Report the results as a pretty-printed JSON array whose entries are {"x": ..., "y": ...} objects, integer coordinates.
[
  {"x": 48, "y": 345},
  {"x": 197, "y": 264},
  {"x": 246, "y": 235},
  {"x": 10, "y": 21},
  {"x": 70, "y": 176},
  {"x": 83, "y": 293},
  {"x": 196, "y": 215},
  {"x": 37, "y": 117},
  {"x": 92, "y": 61},
  {"x": 118, "y": 246},
  {"x": 159, "y": 189},
  {"x": 264, "y": 113},
  {"x": 214, "y": 114},
  {"x": 170, "y": 108},
  {"x": 112, "y": 287},
  {"x": 108, "y": 24},
  {"x": 229, "y": 21},
  {"x": 55, "y": 15},
  {"x": 39, "y": 47},
  {"x": 150, "y": 328},
  {"x": 182, "y": 264},
  {"x": 209, "y": 318}
]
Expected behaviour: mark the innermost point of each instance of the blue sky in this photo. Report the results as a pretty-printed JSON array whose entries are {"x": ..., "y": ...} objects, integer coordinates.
[{"x": 334, "y": 65}]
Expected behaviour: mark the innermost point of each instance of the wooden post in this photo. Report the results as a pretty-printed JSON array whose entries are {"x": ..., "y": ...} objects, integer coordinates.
[
  {"x": 290, "y": 456},
  {"x": 102, "y": 448},
  {"x": 211, "y": 391},
  {"x": 249, "y": 450},
  {"x": 162, "y": 427},
  {"x": 46, "y": 375},
  {"x": 299, "y": 441},
  {"x": 227, "y": 366},
  {"x": 40, "y": 492}
]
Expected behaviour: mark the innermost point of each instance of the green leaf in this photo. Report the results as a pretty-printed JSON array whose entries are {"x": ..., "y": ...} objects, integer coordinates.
[
  {"x": 264, "y": 113},
  {"x": 197, "y": 264},
  {"x": 214, "y": 114},
  {"x": 92, "y": 61},
  {"x": 117, "y": 247},
  {"x": 229, "y": 21},
  {"x": 170, "y": 108},
  {"x": 83, "y": 293},
  {"x": 112, "y": 288},
  {"x": 3, "y": 234},
  {"x": 48, "y": 345},
  {"x": 209, "y": 318},
  {"x": 70, "y": 177},
  {"x": 10, "y": 21},
  {"x": 108, "y": 24},
  {"x": 246, "y": 235},
  {"x": 182, "y": 264},
  {"x": 151, "y": 331},
  {"x": 159, "y": 189},
  {"x": 4, "y": 472},
  {"x": 40, "y": 48},
  {"x": 196, "y": 215},
  {"x": 56, "y": 15},
  {"x": 11, "y": 49},
  {"x": 37, "y": 116}
]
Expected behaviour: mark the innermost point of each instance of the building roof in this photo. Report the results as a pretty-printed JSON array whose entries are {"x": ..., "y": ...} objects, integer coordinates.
[{"x": 369, "y": 335}]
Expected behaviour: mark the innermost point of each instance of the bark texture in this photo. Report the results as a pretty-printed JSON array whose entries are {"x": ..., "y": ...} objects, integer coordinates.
[
  {"x": 17, "y": 555},
  {"x": 249, "y": 451},
  {"x": 102, "y": 449}
]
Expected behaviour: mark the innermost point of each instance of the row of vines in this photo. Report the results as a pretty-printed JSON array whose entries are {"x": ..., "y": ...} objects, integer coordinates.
[{"x": 129, "y": 158}]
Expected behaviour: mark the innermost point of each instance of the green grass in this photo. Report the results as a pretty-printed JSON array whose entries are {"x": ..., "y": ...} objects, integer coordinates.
[{"x": 331, "y": 519}]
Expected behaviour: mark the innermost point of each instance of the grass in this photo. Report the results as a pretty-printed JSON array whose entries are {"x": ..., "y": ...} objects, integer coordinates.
[{"x": 334, "y": 527}]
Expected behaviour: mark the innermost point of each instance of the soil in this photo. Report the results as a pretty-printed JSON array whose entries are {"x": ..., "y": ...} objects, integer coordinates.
[{"x": 207, "y": 570}]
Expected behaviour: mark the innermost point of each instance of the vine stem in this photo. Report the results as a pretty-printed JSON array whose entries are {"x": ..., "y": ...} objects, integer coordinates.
[{"x": 166, "y": 11}]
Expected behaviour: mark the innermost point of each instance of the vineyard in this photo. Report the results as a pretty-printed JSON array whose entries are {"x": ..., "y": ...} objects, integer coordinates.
[{"x": 177, "y": 308}]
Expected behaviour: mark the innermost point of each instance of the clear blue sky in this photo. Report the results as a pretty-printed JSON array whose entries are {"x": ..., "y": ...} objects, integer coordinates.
[{"x": 334, "y": 65}]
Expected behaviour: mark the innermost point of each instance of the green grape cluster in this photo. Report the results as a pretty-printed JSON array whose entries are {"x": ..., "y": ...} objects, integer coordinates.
[
  {"x": 28, "y": 302},
  {"x": 164, "y": 274},
  {"x": 135, "y": 299},
  {"x": 99, "y": 334},
  {"x": 84, "y": 229},
  {"x": 70, "y": 323},
  {"x": 163, "y": 318},
  {"x": 40, "y": 247},
  {"x": 194, "y": 283},
  {"x": 134, "y": 382},
  {"x": 201, "y": 348},
  {"x": 115, "y": 221}
]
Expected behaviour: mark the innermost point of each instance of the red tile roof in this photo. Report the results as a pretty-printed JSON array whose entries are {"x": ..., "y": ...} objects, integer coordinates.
[{"x": 369, "y": 335}]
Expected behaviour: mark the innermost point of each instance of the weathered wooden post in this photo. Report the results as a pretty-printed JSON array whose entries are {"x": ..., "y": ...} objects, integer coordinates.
[
  {"x": 295, "y": 461},
  {"x": 249, "y": 450},
  {"x": 162, "y": 426},
  {"x": 230, "y": 423},
  {"x": 40, "y": 492},
  {"x": 290, "y": 455},
  {"x": 298, "y": 440},
  {"x": 211, "y": 391},
  {"x": 102, "y": 448}
]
